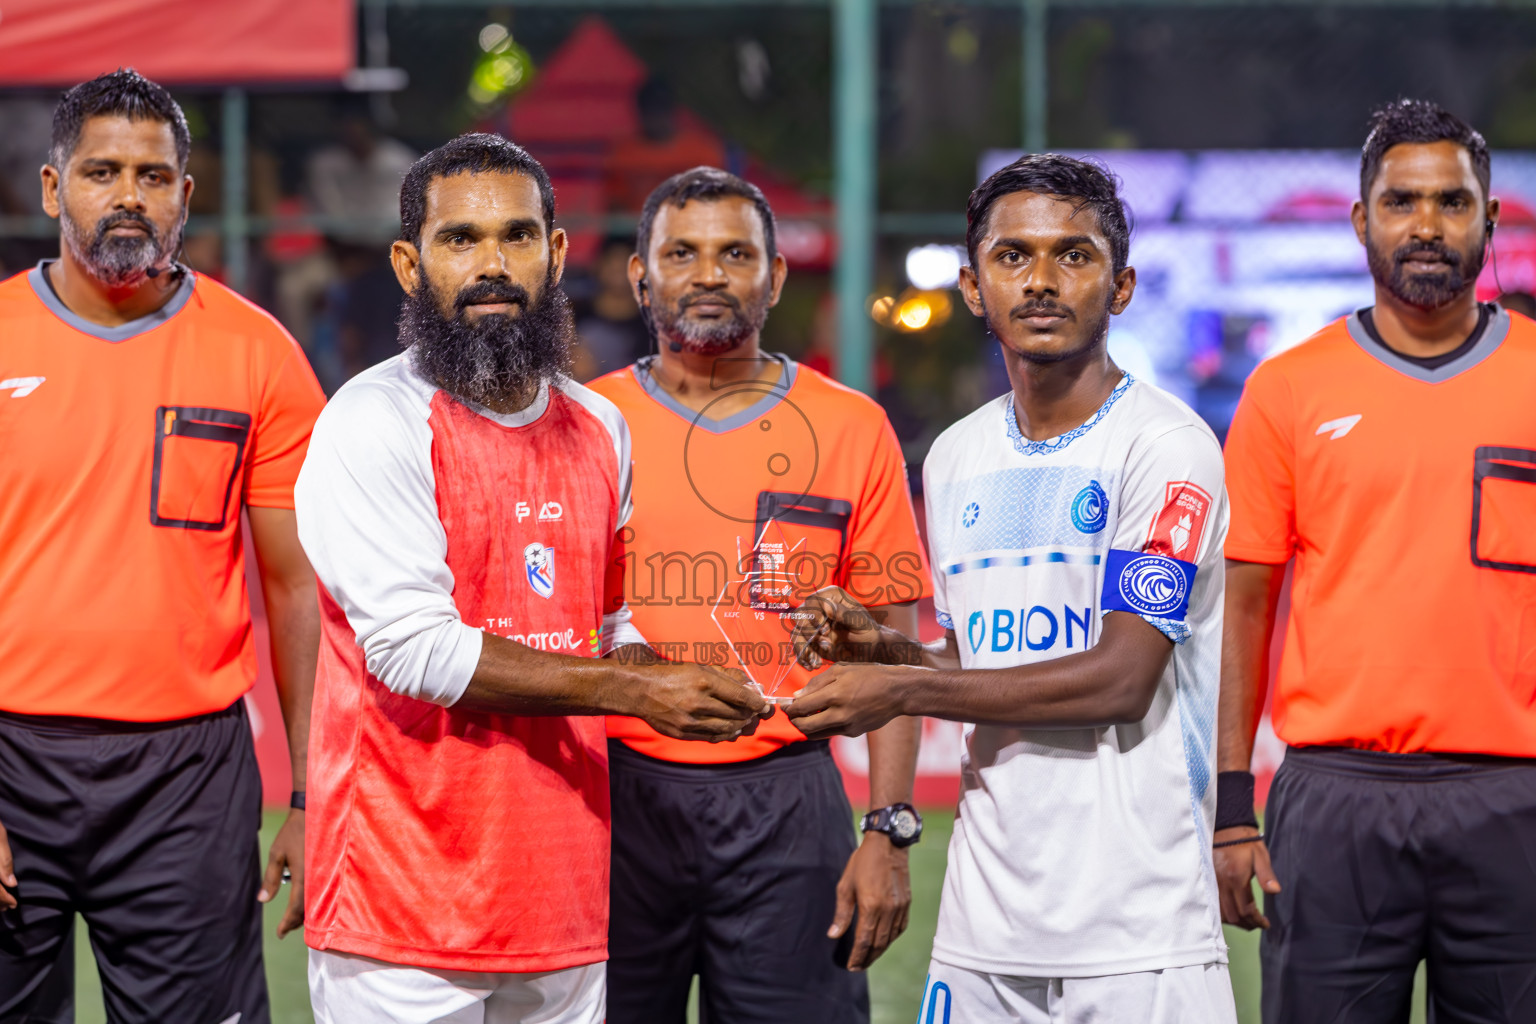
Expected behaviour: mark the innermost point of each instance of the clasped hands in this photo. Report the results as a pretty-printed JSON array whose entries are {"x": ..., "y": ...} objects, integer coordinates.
[{"x": 874, "y": 668}]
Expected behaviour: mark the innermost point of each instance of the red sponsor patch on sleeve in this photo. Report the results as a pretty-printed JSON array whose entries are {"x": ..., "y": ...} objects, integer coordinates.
[{"x": 1177, "y": 529}]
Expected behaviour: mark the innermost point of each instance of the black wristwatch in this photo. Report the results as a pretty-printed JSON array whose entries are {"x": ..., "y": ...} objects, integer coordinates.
[{"x": 900, "y": 822}]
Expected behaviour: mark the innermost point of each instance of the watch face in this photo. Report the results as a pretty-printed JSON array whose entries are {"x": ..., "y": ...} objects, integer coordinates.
[{"x": 904, "y": 824}]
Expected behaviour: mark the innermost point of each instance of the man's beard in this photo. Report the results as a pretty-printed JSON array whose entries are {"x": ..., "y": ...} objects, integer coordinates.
[
  {"x": 710, "y": 338},
  {"x": 1424, "y": 291},
  {"x": 117, "y": 261},
  {"x": 498, "y": 358},
  {"x": 1098, "y": 329}
]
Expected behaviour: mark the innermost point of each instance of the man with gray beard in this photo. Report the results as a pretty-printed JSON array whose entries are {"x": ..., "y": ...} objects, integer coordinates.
[
  {"x": 144, "y": 411},
  {"x": 736, "y": 862}
]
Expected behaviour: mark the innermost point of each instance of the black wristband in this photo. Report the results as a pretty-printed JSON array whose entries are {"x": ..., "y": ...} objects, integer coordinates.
[
  {"x": 296, "y": 801},
  {"x": 1234, "y": 801}
]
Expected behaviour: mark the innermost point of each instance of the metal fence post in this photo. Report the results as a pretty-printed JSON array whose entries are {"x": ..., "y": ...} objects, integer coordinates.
[
  {"x": 854, "y": 32},
  {"x": 1036, "y": 84},
  {"x": 235, "y": 223}
]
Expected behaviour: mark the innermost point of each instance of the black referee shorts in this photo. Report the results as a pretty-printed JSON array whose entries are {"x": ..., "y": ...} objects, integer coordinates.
[
  {"x": 149, "y": 831},
  {"x": 729, "y": 872},
  {"x": 1389, "y": 859}
]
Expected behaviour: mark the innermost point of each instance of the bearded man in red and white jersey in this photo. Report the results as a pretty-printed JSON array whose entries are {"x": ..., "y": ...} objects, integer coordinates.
[{"x": 462, "y": 504}]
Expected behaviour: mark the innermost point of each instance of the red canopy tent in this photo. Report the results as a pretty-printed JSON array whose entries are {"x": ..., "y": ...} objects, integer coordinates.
[{"x": 47, "y": 43}]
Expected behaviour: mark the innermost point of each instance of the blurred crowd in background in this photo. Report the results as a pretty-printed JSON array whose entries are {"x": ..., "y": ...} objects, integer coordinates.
[{"x": 1239, "y": 169}]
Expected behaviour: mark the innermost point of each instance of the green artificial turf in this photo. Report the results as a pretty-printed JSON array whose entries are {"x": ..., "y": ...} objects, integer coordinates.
[{"x": 895, "y": 980}]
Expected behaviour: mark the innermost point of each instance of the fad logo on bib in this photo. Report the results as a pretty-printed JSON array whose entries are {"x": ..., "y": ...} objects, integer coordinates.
[
  {"x": 1177, "y": 528},
  {"x": 539, "y": 561}
]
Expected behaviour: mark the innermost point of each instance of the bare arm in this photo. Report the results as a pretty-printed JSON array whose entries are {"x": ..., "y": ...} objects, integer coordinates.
[
  {"x": 684, "y": 701},
  {"x": 877, "y": 879},
  {"x": 293, "y": 619},
  {"x": 1111, "y": 683},
  {"x": 1253, "y": 592}
]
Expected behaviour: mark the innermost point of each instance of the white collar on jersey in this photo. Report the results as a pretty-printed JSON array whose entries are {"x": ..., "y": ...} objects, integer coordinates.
[
  {"x": 524, "y": 416},
  {"x": 1024, "y": 446}
]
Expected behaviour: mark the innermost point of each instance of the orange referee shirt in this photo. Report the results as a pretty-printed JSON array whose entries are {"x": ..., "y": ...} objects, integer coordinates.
[
  {"x": 1408, "y": 498},
  {"x": 809, "y": 476},
  {"x": 127, "y": 455}
]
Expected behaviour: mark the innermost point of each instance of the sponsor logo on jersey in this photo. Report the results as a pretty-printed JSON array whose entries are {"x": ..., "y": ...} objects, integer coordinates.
[
  {"x": 1147, "y": 584},
  {"x": 549, "y": 511},
  {"x": 1090, "y": 509},
  {"x": 976, "y": 630},
  {"x": 1176, "y": 529},
  {"x": 21, "y": 387},
  {"x": 970, "y": 515},
  {"x": 938, "y": 996},
  {"x": 1336, "y": 429},
  {"x": 1028, "y": 629},
  {"x": 595, "y": 642},
  {"x": 539, "y": 561}
]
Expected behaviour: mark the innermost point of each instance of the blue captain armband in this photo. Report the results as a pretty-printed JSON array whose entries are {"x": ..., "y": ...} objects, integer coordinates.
[{"x": 1155, "y": 587}]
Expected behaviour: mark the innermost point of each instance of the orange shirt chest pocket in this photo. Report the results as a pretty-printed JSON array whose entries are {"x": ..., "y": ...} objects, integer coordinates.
[
  {"x": 199, "y": 454},
  {"x": 807, "y": 537},
  {"x": 1504, "y": 509}
]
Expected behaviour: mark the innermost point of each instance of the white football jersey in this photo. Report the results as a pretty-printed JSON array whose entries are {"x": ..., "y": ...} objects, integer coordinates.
[{"x": 1083, "y": 852}]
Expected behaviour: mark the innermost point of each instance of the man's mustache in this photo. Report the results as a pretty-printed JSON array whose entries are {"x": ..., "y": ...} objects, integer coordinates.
[
  {"x": 122, "y": 217},
  {"x": 491, "y": 291},
  {"x": 1042, "y": 307},
  {"x": 1428, "y": 252},
  {"x": 723, "y": 298}
]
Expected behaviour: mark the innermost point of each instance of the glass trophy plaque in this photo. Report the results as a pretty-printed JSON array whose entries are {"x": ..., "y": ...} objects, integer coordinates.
[{"x": 755, "y": 614}]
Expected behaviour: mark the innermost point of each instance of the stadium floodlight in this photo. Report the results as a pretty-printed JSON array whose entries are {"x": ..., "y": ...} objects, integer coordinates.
[{"x": 930, "y": 267}]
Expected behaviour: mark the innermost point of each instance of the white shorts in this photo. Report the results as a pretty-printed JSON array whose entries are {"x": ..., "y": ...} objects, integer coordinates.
[
  {"x": 1178, "y": 995},
  {"x": 348, "y": 989}
]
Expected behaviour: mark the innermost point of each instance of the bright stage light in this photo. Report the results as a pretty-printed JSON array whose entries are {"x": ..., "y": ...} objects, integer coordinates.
[{"x": 934, "y": 266}]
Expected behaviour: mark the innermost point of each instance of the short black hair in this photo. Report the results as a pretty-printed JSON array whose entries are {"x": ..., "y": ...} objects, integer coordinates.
[
  {"x": 1418, "y": 121},
  {"x": 120, "y": 93},
  {"x": 1085, "y": 183},
  {"x": 474, "y": 153},
  {"x": 707, "y": 184}
]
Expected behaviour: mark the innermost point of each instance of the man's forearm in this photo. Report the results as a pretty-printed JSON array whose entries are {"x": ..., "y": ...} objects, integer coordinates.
[
  {"x": 1253, "y": 592},
  {"x": 1111, "y": 683},
  {"x": 293, "y": 620},
  {"x": 512, "y": 678},
  {"x": 893, "y": 748},
  {"x": 893, "y": 761}
]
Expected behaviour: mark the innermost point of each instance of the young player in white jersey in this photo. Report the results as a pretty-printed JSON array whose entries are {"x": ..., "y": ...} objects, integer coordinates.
[{"x": 1075, "y": 526}]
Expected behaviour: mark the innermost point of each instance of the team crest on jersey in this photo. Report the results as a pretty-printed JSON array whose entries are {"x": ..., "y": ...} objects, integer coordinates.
[
  {"x": 970, "y": 515},
  {"x": 976, "y": 630},
  {"x": 1090, "y": 509},
  {"x": 1176, "y": 529},
  {"x": 540, "y": 564}
]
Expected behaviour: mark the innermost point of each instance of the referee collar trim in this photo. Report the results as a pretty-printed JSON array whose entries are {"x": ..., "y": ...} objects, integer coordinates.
[
  {"x": 1493, "y": 336},
  {"x": 41, "y": 287},
  {"x": 772, "y": 394}
]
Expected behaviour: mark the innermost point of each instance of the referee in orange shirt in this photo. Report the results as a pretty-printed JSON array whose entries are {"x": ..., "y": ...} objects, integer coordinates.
[
  {"x": 737, "y": 861},
  {"x": 143, "y": 408},
  {"x": 1393, "y": 455}
]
